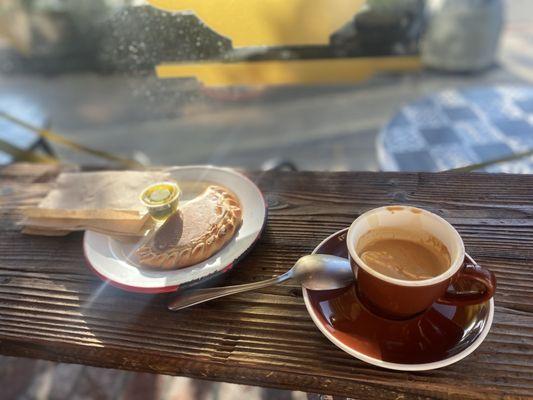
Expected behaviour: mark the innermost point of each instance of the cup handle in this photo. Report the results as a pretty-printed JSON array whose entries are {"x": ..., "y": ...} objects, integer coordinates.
[{"x": 471, "y": 272}]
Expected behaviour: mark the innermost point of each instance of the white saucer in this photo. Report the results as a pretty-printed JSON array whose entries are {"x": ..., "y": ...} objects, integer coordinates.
[{"x": 107, "y": 256}]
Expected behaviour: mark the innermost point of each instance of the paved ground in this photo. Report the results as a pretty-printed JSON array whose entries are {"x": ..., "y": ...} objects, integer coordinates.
[
  {"x": 328, "y": 128},
  {"x": 26, "y": 379},
  {"x": 172, "y": 122}
]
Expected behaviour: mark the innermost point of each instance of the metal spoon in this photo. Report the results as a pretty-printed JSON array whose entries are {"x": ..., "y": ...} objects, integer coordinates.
[{"x": 315, "y": 272}]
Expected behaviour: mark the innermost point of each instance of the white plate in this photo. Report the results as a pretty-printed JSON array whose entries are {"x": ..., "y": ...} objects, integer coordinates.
[{"x": 107, "y": 256}]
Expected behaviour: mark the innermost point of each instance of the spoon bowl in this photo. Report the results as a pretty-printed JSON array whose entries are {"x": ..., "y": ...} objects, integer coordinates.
[{"x": 322, "y": 272}]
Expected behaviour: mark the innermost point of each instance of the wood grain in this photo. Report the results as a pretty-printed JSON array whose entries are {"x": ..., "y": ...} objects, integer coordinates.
[{"x": 52, "y": 307}]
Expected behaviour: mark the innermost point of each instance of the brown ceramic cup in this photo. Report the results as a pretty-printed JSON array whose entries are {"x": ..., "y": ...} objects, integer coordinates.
[{"x": 463, "y": 283}]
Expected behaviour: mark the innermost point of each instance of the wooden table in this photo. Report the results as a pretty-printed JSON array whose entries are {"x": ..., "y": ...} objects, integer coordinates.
[{"x": 53, "y": 307}]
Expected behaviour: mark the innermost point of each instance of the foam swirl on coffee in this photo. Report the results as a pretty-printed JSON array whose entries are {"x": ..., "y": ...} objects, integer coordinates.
[{"x": 403, "y": 254}]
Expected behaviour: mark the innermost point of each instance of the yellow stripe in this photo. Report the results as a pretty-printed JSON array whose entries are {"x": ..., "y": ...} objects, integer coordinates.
[{"x": 280, "y": 72}]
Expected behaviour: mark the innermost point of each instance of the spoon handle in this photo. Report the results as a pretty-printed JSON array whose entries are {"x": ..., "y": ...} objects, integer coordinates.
[{"x": 190, "y": 298}]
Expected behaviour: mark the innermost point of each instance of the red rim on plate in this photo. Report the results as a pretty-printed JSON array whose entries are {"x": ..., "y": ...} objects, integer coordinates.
[{"x": 111, "y": 267}]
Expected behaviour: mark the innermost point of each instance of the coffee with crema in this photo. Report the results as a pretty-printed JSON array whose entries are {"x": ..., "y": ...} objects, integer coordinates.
[{"x": 403, "y": 254}]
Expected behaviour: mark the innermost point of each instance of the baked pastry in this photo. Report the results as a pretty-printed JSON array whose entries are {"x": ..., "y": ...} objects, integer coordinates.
[{"x": 195, "y": 232}]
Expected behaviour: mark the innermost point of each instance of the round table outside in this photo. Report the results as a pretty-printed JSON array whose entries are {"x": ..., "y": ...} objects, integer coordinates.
[{"x": 461, "y": 127}]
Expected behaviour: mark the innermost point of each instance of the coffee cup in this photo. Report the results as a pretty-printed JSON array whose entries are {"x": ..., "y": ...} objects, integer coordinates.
[{"x": 464, "y": 282}]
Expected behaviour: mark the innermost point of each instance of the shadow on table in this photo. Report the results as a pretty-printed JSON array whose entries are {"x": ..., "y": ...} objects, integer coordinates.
[{"x": 128, "y": 324}]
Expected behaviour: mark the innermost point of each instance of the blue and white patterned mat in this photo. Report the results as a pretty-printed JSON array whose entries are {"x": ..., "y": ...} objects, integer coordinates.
[{"x": 456, "y": 128}]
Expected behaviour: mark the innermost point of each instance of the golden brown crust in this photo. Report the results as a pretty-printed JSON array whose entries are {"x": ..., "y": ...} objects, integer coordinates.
[{"x": 200, "y": 229}]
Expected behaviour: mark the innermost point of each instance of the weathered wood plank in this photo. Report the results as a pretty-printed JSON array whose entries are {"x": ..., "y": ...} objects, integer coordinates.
[{"x": 52, "y": 307}]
